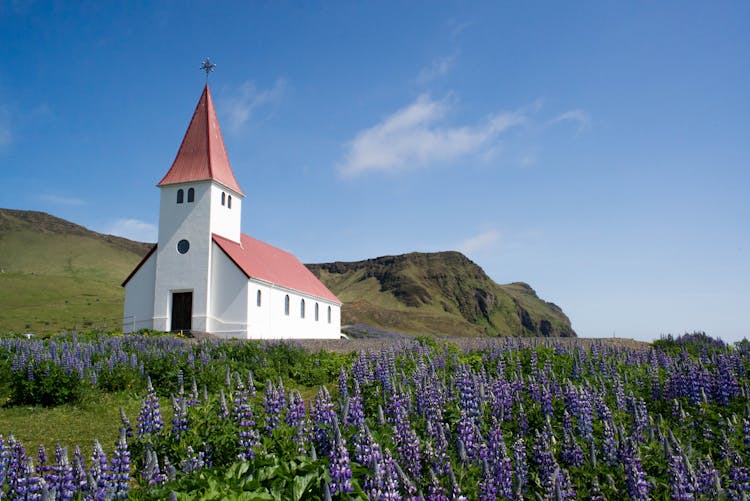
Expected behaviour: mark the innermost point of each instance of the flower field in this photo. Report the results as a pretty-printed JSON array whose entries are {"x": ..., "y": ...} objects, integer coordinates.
[{"x": 416, "y": 419}]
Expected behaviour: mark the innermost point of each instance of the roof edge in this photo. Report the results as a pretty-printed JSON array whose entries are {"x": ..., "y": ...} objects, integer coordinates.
[{"x": 138, "y": 266}]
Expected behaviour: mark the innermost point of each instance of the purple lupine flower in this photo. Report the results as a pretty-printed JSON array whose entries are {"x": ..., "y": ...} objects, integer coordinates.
[
  {"x": 295, "y": 411},
  {"x": 243, "y": 415},
  {"x": 341, "y": 472},
  {"x": 149, "y": 417},
  {"x": 355, "y": 414},
  {"x": 708, "y": 481},
  {"x": 322, "y": 417},
  {"x": 43, "y": 468},
  {"x": 563, "y": 488},
  {"x": 61, "y": 478},
  {"x": 126, "y": 423},
  {"x": 638, "y": 486},
  {"x": 99, "y": 474},
  {"x": 194, "y": 461},
  {"x": 120, "y": 468},
  {"x": 468, "y": 437},
  {"x": 487, "y": 489},
  {"x": 179, "y": 417},
  {"x": 435, "y": 491},
  {"x": 541, "y": 456},
  {"x": 5, "y": 455},
  {"x": 571, "y": 454},
  {"x": 193, "y": 398},
  {"x": 151, "y": 472},
  {"x": 28, "y": 485},
  {"x": 609, "y": 444},
  {"x": 739, "y": 479},
  {"x": 223, "y": 409},
  {"x": 272, "y": 405},
  {"x": 681, "y": 487},
  {"x": 343, "y": 385},
  {"x": 80, "y": 479},
  {"x": 521, "y": 467}
]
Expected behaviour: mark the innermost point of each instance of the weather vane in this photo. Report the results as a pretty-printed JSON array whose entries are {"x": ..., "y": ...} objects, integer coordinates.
[{"x": 208, "y": 67}]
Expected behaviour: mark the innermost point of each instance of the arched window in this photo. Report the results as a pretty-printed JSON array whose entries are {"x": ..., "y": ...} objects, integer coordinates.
[
  {"x": 257, "y": 299},
  {"x": 223, "y": 199},
  {"x": 229, "y": 201},
  {"x": 317, "y": 308},
  {"x": 329, "y": 314},
  {"x": 286, "y": 305},
  {"x": 191, "y": 195},
  {"x": 302, "y": 308},
  {"x": 180, "y": 196}
]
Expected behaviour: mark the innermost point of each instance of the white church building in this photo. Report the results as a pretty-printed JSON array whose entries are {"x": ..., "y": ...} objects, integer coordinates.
[{"x": 203, "y": 274}]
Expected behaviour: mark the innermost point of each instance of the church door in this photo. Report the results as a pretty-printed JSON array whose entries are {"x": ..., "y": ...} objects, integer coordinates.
[{"x": 182, "y": 311}]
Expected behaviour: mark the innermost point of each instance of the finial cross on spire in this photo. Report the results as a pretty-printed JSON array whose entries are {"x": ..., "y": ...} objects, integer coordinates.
[{"x": 208, "y": 67}]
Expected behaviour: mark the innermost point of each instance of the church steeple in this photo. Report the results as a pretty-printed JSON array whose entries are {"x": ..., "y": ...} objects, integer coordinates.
[{"x": 202, "y": 154}]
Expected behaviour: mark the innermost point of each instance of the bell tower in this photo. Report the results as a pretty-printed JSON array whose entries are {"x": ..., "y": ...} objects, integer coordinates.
[{"x": 200, "y": 197}]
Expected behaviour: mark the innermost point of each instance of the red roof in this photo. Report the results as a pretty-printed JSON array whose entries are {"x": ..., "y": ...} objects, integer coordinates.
[
  {"x": 259, "y": 260},
  {"x": 202, "y": 154}
]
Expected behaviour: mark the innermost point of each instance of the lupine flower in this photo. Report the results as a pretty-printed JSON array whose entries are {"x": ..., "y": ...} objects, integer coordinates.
[
  {"x": 194, "y": 461},
  {"x": 521, "y": 466},
  {"x": 341, "y": 472},
  {"x": 273, "y": 406},
  {"x": 120, "y": 468},
  {"x": 223, "y": 409},
  {"x": 638, "y": 486},
  {"x": 243, "y": 415},
  {"x": 179, "y": 417},
  {"x": 322, "y": 417},
  {"x": 126, "y": 423},
  {"x": 149, "y": 417}
]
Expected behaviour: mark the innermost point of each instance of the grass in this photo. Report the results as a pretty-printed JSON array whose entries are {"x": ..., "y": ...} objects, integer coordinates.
[
  {"x": 47, "y": 304},
  {"x": 71, "y": 425}
]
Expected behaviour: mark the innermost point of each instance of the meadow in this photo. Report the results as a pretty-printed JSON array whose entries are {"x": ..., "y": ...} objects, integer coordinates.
[{"x": 504, "y": 418}]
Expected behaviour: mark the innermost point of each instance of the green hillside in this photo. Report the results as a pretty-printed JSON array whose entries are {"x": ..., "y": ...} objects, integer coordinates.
[
  {"x": 56, "y": 275},
  {"x": 442, "y": 293}
]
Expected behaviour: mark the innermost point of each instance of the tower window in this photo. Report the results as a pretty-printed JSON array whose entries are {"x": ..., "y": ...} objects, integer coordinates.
[
  {"x": 329, "y": 314},
  {"x": 180, "y": 196},
  {"x": 229, "y": 201},
  {"x": 302, "y": 308},
  {"x": 191, "y": 195},
  {"x": 286, "y": 305},
  {"x": 257, "y": 299},
  {"x": 223, "y": 199},
  {"x": 317, "y": 308}
]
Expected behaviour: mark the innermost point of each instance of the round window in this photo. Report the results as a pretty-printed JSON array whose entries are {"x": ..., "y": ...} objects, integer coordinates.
[{"x": 183, "y": 246}]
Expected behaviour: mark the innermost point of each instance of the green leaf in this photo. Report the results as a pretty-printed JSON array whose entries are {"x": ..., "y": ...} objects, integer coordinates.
[{"x": 301, "y": 484}]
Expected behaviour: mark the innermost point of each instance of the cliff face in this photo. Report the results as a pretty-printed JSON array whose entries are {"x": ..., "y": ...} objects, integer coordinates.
[{"x": 442, "y": 293}]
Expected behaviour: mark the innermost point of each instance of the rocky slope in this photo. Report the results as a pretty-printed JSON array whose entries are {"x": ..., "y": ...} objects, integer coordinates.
[{"x": 442, "y": 293}]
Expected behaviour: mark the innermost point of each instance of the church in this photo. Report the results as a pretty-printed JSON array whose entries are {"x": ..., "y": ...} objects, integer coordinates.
[{"x": 204, "y": 275}]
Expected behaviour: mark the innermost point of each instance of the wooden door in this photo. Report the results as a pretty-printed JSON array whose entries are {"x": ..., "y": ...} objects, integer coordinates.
[{"x": 182, "y": 311}]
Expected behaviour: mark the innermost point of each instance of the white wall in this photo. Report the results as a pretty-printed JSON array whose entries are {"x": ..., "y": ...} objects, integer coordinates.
[
  {"x": 229, "y": 297},
  {"x": 270, "y": 322},
  {"x": 183, "y": 272},
  {"x": 139, "y": 298},
  {"x": 225, "y": 221}
]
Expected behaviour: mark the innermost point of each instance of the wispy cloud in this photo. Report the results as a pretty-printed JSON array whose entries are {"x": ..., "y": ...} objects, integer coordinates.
[
  {"x": 133, "y": 229},
  {"x": 480, "y": 242},
  {"x": 438, "y": 68},
  {"x": 576, "y": 116},
  {"x": 413, "y": 136},
  {"x": 246, "y": 99},
  {"x": 61, "y": 200}
]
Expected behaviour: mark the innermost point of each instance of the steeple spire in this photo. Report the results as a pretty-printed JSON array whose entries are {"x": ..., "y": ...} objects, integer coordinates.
[{"x": 202, "y": 154}]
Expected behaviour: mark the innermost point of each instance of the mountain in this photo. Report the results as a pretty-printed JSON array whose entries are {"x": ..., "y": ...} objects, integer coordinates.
[
  {"x": 56, "y": 275},
  {"x": 442, "y": 293}
]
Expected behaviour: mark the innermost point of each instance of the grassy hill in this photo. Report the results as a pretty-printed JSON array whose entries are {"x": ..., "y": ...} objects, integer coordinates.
[
  {"x": 56, "y": 275},
  {"x": 442, "y": 293}
]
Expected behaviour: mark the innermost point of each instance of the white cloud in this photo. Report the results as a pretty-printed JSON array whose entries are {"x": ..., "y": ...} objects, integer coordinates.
[
  {"x": 133, "y": 229},
  {"x": 240, "y": 107},
  {"x": 481, "y": 242},
  {"x": 578, "y": 116},
  {"x": 437, "y": 69},
  {"x": 411, "y": 137},
  {"x": 60, "y": 200}
]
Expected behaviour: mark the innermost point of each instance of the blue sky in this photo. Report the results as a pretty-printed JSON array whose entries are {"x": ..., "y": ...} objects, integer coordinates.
[{"x": 599, "y": 151}]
